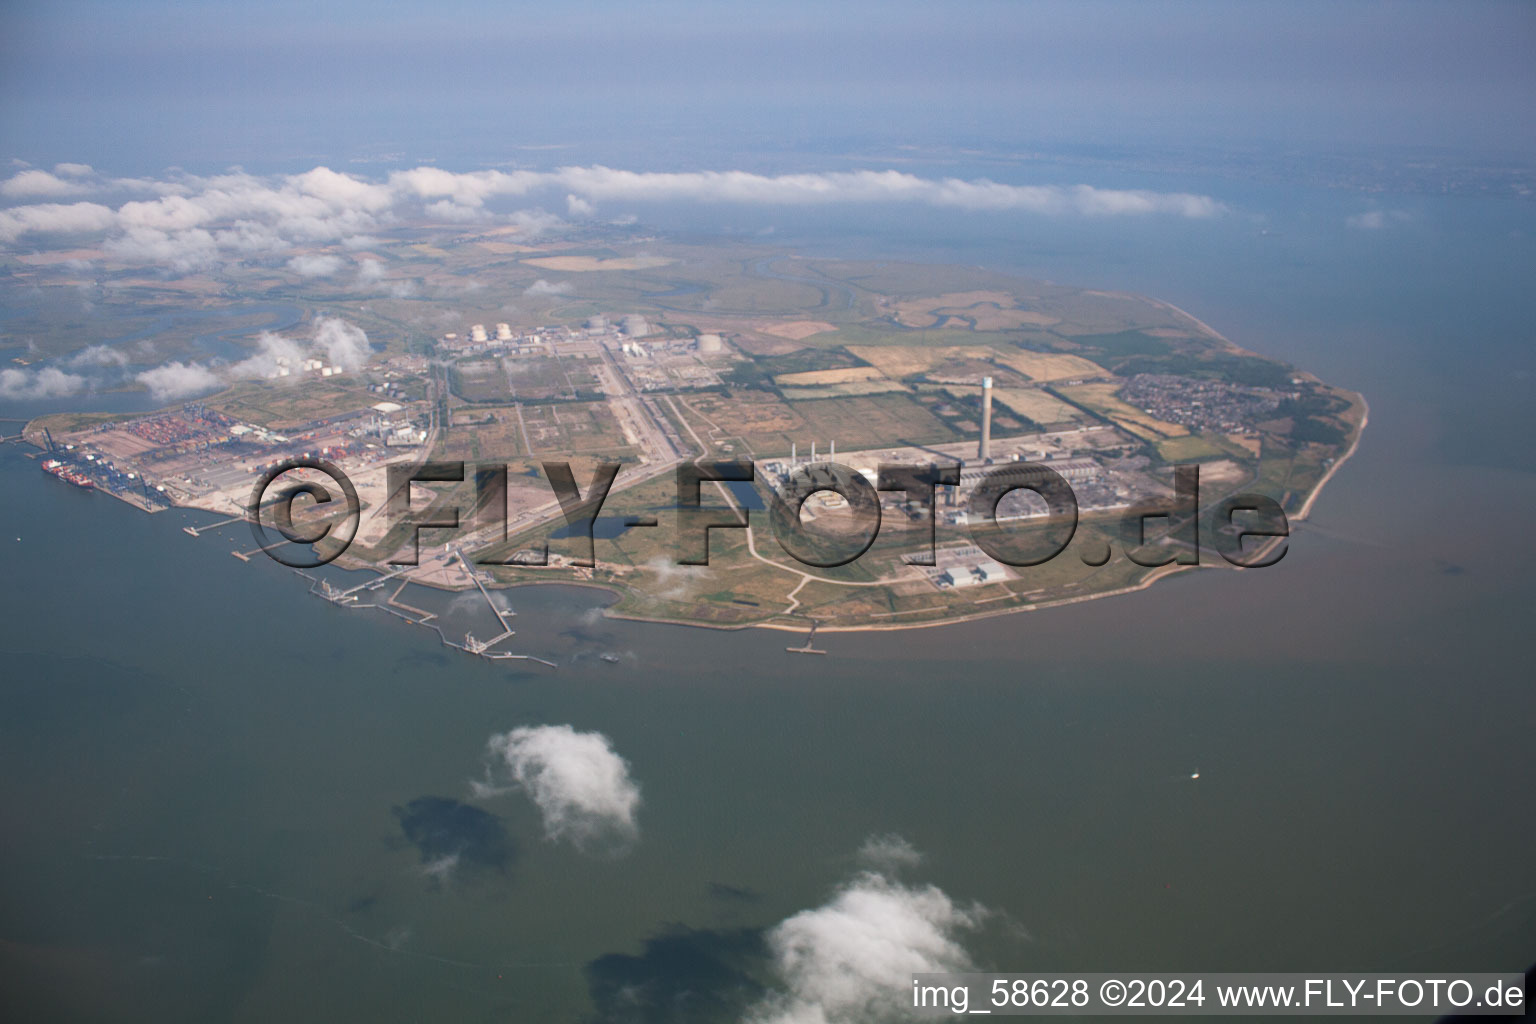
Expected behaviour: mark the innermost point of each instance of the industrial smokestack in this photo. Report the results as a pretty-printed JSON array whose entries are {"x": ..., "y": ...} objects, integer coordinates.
[
  {"x": 985, "y": 451},
  {"x": 792, "y": 460},
  {"x": 813, "y": 453}
]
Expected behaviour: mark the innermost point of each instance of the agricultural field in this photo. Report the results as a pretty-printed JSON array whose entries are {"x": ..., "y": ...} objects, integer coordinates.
[
  {"x": 1039, "y": 406},
  {"x": 903, "y": 361},
  {"x": 796, "y": 330},
  {"x": 1049, "y": 366},
  {"x": 1194, "y": 448},
  {"x": 1100, "y": 397},
  {"x": 872, "y": 421},
  {"x": 843, "y": 375},
  {"x": 859, "y": 387}
]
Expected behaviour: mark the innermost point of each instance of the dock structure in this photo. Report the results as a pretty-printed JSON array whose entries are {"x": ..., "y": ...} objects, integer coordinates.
[
  {"x": 475, "y": 577},
  {"x": 198, "y": 531},
  {"x": 808, "y": 647},
  {"x": 483, "y": 647},
  {"x": 335, "y": 596},
  {"x": 246, "y": 556},
  {"x": 420, "y": 617}
]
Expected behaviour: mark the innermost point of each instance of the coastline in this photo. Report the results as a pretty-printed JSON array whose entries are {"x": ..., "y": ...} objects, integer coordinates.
[
  {"x": 779, "y": 620},
  {"x": 1154, "y": 576}
]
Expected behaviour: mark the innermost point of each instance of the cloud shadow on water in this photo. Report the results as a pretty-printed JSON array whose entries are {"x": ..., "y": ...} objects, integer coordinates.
[
  {"x": 454, "y": 836},
  {"x": 683, "y": 976}
]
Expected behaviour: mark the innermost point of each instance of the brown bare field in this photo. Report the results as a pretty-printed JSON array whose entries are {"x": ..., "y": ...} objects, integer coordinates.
[
  {"x": 795, "y": 330},
  {"x": 1222, "y": 471},
  {"x": 1252, "y": 445},
  {"x": 1037, "y": 405},
  {"x": 1101, "y": 398},
  {"x": 758, "y": 344},
  {"x": 845, "y": 375},
  {"x": 185, "y": 285},
  {"x": 505, "y": 248},
  {"x": 898, "y": 361},
  {"x": 580, "y": 264},
  {"x": 1049, "y": 365}
]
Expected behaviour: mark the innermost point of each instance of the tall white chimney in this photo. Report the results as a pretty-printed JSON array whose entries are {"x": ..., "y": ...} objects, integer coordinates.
[{"x": 985, "y": 451}]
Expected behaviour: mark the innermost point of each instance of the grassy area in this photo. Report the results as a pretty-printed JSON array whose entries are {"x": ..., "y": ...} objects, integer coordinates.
[
  {"x": 1195, "y": 447},
  {"x": 284, "y": 405}
]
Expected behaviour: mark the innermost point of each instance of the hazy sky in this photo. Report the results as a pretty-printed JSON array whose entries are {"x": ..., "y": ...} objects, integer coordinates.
[{"x": 136, "y": 86}]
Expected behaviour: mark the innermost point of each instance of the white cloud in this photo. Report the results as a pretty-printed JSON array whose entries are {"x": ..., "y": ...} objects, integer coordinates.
[
  {"x": 176, "y": 379},
  {"x": 201, "y": 219},
  {"x": 889, "y": 853},
  {"x": 345, "y": 345},
  {"x": 543, "y": 287},
  {"x": 45, "y": 383},
  {"x": 471, "y": 189},
  {"x": 315, "y": 265},
  {"x": 334, "y": 340},
  {"x": 370, "y": 274},
  {"x": 581, "y": 785},
  {"x": 448, "y": 210},
  {"x": 534, "y": 222},
  {"x": 99, "y": 355},
  {"x": 182, "y": 251},
  {"x": 54, "y": 219},
  {"x": 877, "y": 186},
  {"x": 36, "y": 184},
  {"x": 1376, "y": 220},
  {"x": 847, "y": 961},
  {"x": 272, "y": 351}
]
